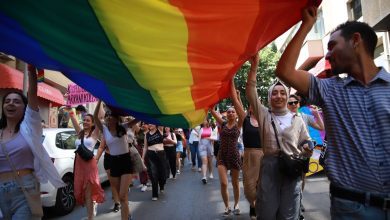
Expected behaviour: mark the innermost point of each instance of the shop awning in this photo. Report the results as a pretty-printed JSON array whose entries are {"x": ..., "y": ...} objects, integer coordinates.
[
  {"x": 13, "y": 79},
  {"x": 320, "y": 68}
]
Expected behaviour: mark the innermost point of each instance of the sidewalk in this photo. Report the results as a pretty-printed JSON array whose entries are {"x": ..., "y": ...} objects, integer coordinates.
[{"x": 316, "y": 198}]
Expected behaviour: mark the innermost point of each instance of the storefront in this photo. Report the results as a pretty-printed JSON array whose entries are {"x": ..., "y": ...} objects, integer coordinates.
[{"x": 49, "y": 97}]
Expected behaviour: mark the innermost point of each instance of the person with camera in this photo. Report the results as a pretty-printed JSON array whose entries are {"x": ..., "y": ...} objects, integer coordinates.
[
  {"x": 87, "y": 189},
  {"x": 282, "y": 136}
]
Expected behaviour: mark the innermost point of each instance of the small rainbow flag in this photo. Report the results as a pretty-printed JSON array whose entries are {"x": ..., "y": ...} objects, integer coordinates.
[
  {"x": 41, "y": 75},
  {"x": 163, "y": 61}
]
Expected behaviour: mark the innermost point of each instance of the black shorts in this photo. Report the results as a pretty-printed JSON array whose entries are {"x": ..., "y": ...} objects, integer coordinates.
[
  {"x": 120, "y": 165},
  {"x": 107, "y": 162}
]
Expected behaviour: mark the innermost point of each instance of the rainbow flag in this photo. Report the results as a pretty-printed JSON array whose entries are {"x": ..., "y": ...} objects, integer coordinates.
[{"x": 163, "y": 61}]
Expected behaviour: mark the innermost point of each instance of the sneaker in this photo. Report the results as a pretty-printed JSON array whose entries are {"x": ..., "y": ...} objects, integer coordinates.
[
  {"x": 199, "y": 169},
  {"x": 211, "y": 176},
  {"x": 193, "y": 168},
  {"x": 301, "y": 217},
  {"x": 143, "y": 188},
  {"x": 94, "y": 208},
  {"x": 116, "y": 207},
  {"x": 178, "y": 172},
  {"x": 204, "y": 180},
  {"x": 162, "y": 191},
  {"x": 252, "y": 212},
  {"x": 227, "y": 212},
  {"x": 154, "y": 199},
  {"x": 236, "y": 210}
]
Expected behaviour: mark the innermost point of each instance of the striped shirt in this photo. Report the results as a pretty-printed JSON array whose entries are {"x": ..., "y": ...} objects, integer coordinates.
[{"x": 357, "y": 122}]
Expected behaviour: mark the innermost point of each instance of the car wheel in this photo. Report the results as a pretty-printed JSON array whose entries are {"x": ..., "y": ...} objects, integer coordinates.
[{"x": 65, "y": 201}]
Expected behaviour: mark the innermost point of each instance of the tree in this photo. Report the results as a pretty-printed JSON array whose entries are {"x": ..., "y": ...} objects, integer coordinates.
[{"x": 269, "y": 57}]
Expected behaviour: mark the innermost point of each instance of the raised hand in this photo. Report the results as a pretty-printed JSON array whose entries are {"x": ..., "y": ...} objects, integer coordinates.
[{"x": 309, "y": 16}]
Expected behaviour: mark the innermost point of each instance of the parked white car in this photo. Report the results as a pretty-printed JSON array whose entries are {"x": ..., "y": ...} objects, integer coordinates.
[{"x": 60, "y": 145}]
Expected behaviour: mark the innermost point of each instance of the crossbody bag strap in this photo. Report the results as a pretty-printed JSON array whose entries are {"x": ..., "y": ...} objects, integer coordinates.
[
  {"x": 275, "y": 131},
  {"x": 16, "y": 175}
]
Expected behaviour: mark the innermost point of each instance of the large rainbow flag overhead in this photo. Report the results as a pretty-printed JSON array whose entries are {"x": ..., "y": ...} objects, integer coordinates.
[{"x": 164, "y": 61}]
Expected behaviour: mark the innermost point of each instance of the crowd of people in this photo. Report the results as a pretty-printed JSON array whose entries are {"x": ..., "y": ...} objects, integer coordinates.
[{"x": 275, "y": 139}]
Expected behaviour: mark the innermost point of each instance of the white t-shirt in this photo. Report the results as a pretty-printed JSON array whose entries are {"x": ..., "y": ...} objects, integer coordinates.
[
  {"x": 284, "y": 121},
  {"x": 116, "y": 145}
]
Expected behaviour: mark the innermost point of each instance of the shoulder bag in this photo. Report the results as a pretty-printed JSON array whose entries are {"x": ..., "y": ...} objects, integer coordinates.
[
  {"x": 84, "y": 152},
  {"x": 33, "y": 196},
  {"x": 136, "y": 160},
  {"x": 290, "y": 165}
]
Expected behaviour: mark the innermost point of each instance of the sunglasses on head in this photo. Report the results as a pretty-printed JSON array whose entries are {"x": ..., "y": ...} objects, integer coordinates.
[{"x": 293, "y": 103}]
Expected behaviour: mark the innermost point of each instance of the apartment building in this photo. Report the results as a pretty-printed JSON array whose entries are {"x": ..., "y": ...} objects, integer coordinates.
[{"x": 332, "y": 13}]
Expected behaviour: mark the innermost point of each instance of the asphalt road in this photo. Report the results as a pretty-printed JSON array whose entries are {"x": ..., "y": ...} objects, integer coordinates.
[{"x": 187, "y": 198}]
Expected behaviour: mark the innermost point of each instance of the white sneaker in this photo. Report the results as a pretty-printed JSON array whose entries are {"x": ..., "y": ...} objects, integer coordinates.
[
  {"x": 199, "y": 169},
  {"x": 94, "y": 208},
  {"x": 154, "y": 199},
  {"x": 211, "y": 176},
  {"x": 178, "y": 172},
  {"x": 143, "y": 188}
]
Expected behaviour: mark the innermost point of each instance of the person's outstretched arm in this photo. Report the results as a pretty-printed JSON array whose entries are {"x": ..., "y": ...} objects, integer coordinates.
[
  {"x": 285, "y": 70},
  {"x": 32, "y": 96},
  {"x": 234, "y": 94},
  {"x": 96, "y": 118},
  {"x": 250, "y": 90},
  {"x": 216, "y": 115},
  {"x": 74, "y": 121},
  {"x": 319, "y": 123}
]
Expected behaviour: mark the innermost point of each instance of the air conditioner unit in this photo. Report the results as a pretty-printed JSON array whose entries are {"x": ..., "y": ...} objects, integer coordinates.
[{"x": 4, "y": 57}]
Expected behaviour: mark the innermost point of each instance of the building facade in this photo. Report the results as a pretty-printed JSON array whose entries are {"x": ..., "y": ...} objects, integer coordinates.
[{"x": 331, "y": 13}]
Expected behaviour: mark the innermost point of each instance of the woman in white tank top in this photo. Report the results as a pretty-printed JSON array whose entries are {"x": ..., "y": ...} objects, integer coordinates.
[{"x": 87, "y": 189}]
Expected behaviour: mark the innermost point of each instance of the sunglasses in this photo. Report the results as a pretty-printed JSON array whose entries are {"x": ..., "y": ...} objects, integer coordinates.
[{"x": 293, "y": 103}]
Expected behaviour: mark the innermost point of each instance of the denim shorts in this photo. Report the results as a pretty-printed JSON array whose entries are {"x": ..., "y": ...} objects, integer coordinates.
[{"x": 13, "y": 203}]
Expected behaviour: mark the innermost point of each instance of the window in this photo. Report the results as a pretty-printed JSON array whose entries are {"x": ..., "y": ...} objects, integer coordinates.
[
  {"x": 356, "y": 9},
  {"x": 318, "y": 30},
  {"x": 65, "y": 140}
]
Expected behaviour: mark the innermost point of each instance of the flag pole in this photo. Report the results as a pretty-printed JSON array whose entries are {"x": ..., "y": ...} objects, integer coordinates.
[{"x": 25, "y": 79}]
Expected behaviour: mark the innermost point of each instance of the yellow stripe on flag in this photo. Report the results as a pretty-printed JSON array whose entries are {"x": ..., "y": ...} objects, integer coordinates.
[{"x": 151, "y": 37}]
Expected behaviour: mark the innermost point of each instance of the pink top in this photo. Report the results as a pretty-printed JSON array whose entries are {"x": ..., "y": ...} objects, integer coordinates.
[
  {"x": 19, "y": 152},
  {"x": 206, "y": 132}
]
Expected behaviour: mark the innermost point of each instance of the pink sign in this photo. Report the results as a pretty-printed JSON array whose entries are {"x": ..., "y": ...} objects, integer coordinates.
[{"x": 77, "y": 96}]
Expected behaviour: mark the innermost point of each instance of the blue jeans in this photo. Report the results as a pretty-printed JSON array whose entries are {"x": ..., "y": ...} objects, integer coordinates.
[
  {"x": 342, "y": 209},
  {"x": 13, "y": 203},
  {"x": 194, "y": 147}
]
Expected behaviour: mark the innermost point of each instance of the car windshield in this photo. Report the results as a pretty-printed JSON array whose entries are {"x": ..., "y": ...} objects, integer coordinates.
[{"x": 65, "y": 140}]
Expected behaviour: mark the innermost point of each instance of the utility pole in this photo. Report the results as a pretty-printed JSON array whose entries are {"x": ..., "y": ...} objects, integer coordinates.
[{"x": 25, "y": 79}]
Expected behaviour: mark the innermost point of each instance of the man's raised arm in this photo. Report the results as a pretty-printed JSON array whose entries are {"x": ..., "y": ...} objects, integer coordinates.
[{"x": 298, "y": 79}]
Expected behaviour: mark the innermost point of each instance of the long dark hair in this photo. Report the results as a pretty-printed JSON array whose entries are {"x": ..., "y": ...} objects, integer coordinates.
[
  {"x": 3, "y": 120},
  {"x": 82, "y": 132},
  {"x": 120, "y": 130}
]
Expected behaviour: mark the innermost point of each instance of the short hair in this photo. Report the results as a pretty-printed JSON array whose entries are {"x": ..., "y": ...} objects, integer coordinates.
[
  {"x": 367, "y": 33},
  {"x": 295, "y": 97},
  {"x": 81, "y": 108}
]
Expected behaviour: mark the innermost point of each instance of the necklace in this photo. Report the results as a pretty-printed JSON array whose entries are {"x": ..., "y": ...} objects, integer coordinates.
[{"x": 279, "y": 121}]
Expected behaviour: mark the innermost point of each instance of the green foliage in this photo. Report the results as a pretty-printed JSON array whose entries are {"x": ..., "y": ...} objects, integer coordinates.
[{"x": 269, "y": 57}]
